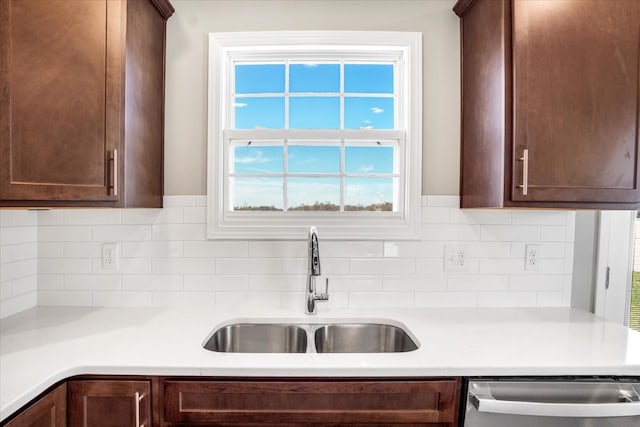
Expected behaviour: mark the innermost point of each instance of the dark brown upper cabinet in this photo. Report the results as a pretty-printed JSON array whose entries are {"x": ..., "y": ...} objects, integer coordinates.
[
  {"x": 550, "y": 103},
  {"x": 82, "y": 102}
]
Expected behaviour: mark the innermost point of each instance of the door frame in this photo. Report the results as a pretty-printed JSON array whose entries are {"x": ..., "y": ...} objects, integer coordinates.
[{"x": 615, "y": 265}]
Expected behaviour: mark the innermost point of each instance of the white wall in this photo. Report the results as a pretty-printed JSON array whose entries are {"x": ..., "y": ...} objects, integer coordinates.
[
  {"x": 186, "y": 82},
  {"x": 18, "y": 261}
]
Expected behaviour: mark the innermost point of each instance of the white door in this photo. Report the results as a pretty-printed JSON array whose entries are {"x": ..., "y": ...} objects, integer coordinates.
[{"x": 615, "y": 263}]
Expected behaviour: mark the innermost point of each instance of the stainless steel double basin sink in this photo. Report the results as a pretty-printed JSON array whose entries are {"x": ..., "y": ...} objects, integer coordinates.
[{"x": 341, "y": 337}]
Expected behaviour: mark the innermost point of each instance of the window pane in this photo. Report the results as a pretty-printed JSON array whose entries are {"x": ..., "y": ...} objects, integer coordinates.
[
  {"x": 256, "y": 194},
  {"x": 368, "y": 194},
  {"x": 368, "y": 78},
  {"x": 369, "y": 159},
  {"x": 257, "y": 158},
  {"x": 368, "y": 113},
  {"x": 314, "y": 113},
  {"x": 313, "y": 194},
  {"x": 314, "y": 159},
  {"x": 314, "y": 78},
  {"x": 257, "y": 113},
  {"x": 262, "y": 78}
]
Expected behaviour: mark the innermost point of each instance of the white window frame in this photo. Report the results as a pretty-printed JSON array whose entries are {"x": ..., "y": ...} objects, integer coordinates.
[{"x": 404, "y": 224}]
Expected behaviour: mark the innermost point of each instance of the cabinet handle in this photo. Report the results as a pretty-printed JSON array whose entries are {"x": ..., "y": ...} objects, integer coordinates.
[
  {"x": 114, "y": 173},
  {"x": 138, "y": 398},
  {"x": 525, "y": 172}
]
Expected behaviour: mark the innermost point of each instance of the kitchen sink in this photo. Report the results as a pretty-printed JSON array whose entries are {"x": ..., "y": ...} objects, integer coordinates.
[
  {"x": 362, "y": 338},
  {"x": 258, "y": 338},
  {"x": 334, "y": 337}
]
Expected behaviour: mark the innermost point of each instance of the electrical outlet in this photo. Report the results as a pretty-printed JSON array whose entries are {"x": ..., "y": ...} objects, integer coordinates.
[
  {"x": 532, "y": 257},
  {"x": 455, "y": 259},
  {"x": 110, "y": 256}
]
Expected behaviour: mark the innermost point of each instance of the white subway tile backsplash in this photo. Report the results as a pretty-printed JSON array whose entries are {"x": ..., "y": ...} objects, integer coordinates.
[
  {"x": 153, "y": 249},
  {"x": 279, "y": 249},
  {"x": 510, "y": 233},
  {"x": 212, "y": 283},
  {"x": 475, "y": 282},
  {"x": 81, "y": 249},
  {"x": 49, "y": 282},
  {"x": 215, "y": 249},
  {"x": 182, "y": 201},
  {"x": 412, "y": 249},
  {"x": 487, "y": 217},
  {"x": 165, "y": 260},
  {"x": 280, "y": 283},
  {"x": 183, "y": 265},
  {"x": 197, "y": 215},
  {"x": 542, "y": 282},
  {"x": 429, "y": 282},
  {"x": 84, "y": 282},
  {"x": 92, "y": 216},
  {"x": 354, "y": 283},
  {"x": 450, "y": 232},
  {"x": 383, "y": 266},
  {"x": 553, "y": 233},
  {"x": 435, "y": 215},
  {"x": 153, "y": 282},
  {"x": 111, "y": 233},
  {"x": 166, "y": 215},
  {"x": 180, "y": 232},
  {"x": 539, "y": 217},
  {"x": 64, "y": 233},
  {"x": 381, "y": 299},
  {"x": 50, "y": 249}
]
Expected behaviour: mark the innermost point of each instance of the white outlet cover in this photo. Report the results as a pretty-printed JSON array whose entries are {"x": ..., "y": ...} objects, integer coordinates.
[
  {"x": 110, "y": 256},
  {"x": 456, "y": 258},
  {"x": 532, "y": 257}
]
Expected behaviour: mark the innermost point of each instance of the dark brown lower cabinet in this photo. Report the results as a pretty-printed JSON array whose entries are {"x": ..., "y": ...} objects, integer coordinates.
[
  {"x": 104, "y": 403},
  {"x": 312, "y": 402},
  {"x": 48, "y": 411}
]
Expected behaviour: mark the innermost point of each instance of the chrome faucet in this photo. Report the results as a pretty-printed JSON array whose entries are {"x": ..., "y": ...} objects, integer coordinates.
[{"x": 313, "y": 270}]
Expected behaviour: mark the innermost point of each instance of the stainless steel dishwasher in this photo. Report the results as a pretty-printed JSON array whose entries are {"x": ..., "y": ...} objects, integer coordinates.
[{"x": 573, "y": 402}]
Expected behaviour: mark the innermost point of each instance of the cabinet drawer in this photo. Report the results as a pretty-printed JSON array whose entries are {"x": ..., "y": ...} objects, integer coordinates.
[{"x": 298, "y": 402}]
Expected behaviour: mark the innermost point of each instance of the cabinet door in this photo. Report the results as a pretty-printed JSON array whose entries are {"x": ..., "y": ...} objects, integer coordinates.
[
  {"x": 61, "y": 72},
  {"x": 331, "y": 402},
  {"x": 48, "y": 411},
  {"x": 576, "y": 100},
  {"x": 109, "y": 403}
]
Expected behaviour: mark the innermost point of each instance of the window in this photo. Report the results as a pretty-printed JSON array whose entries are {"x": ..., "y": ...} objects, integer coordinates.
[{"x": 314, "y": 128}]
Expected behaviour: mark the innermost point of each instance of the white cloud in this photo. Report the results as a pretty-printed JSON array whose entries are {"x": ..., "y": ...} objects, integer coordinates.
[
  {"x": 366, "y": 168},
  {"x": 366, "y": 127},
  {"x": 240, "y": 104},
  {"x": 376, "y": 110},
  {"x": 257, "y": 159},
  {"x": 366, "y": 121},
  {"x": 310, "y": 65}
]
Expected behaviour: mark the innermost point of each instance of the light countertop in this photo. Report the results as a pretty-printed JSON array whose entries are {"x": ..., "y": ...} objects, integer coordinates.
[{"x": 47, "y": 344}]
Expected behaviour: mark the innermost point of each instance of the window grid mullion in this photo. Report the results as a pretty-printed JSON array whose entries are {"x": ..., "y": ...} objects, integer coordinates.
[
  {"x": 285, "y": 177},
  {"x": 286, "y": 94},
  {"x": 342, "y": 171}
]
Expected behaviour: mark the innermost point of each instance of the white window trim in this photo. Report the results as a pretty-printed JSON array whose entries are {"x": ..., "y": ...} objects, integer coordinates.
[{"x": 358, "y": 225}]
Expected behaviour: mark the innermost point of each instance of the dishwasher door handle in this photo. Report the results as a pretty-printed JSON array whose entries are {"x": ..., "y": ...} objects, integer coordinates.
[{"x": 542, "y": 409}]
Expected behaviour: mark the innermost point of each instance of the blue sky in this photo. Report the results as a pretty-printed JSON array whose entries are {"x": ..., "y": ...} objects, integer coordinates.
[{"x": 313, "y": 112}]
